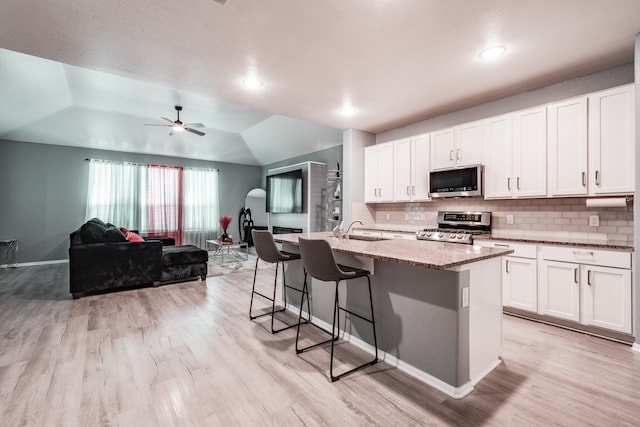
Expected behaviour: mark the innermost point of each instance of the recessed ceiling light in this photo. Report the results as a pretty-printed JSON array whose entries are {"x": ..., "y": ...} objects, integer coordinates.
[
  {"x": 492, "y": 52},
  {"x": 347, "y": 111},
  {"x": 252, "y": 83}
]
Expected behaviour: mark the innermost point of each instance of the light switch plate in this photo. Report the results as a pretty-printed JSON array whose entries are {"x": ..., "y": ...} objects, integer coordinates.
[
  {"x": 594, "y": 220},
  {"x": 510, "y": 219}
]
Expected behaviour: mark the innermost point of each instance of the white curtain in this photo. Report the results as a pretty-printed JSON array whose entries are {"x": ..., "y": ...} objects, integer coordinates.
[
  {"x": 200, "y": 207},
  {"x": 114, "y": 193}
]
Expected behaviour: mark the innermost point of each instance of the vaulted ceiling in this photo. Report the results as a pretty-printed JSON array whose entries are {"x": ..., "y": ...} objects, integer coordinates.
[{"x": 92, "y": 74}]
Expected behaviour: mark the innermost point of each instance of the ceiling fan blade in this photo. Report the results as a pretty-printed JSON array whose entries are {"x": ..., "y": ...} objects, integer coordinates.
[
  {"x": 197, "y": 132},
  {"x": 169, "y": 120},
  {"x": 155, "y": 124},
  {"x": 194, "y": 125}
]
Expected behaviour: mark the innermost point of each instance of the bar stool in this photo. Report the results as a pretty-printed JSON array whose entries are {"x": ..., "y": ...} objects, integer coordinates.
[
  {"x": 319, "y": 262},
  {"x": 268, "y": 251}
]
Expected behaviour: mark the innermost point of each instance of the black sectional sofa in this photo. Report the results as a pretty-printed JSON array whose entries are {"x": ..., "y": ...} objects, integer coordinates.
[{"x": 101, "y": 260}]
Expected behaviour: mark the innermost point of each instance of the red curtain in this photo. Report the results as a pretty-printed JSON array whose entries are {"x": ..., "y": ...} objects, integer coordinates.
[{"x": 164, "y": 201}]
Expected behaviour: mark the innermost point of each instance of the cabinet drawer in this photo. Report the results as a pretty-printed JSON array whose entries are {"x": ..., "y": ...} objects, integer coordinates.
[
  {"x": 521, "y": 250},
  {"x": 405, "y": 236},
  {"x": 605, "y": 258}
]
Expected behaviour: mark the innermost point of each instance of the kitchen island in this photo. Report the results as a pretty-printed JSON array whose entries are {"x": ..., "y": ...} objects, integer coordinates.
[{"x": 438, "y": 306}]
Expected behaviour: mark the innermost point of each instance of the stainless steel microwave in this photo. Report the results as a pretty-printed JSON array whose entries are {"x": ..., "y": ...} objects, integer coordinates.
[{"x": 457, "y": 182}]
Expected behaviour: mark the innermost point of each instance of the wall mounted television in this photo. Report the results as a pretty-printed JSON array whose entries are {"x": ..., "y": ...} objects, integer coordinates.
[{"x": 285, "y": 192}]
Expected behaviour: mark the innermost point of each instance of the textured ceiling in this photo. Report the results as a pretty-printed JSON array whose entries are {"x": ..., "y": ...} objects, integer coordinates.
[{"x": 120, "y": 64}]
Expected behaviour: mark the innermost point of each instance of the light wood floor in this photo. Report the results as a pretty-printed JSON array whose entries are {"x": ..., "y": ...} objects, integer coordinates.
[{"x": 186, "y": 354}]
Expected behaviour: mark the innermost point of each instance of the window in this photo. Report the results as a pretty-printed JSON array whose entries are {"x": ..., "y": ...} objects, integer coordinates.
[{"x": 157, "y": 200}]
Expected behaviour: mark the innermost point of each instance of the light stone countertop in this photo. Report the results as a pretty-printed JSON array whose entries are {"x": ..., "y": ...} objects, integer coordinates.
[
  {"x": 557, "y": 239},
  {"x": 436, "y": 255}
]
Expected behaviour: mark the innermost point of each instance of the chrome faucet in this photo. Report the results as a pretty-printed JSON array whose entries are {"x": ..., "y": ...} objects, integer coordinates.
[{"x": 346, "y": 233}]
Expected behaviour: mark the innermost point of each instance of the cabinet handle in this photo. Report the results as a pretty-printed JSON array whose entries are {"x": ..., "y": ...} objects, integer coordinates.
[
  {"x": 518, "y": 183},
  {"x": 451, "y": 155},
  {"x": 575, "y": 275},
  {"x": 583, "y": 253},
  {"x": 458, "y": 154},
  {"x": 597, "y": 177},
  {"x": 408, "y": 193},
  {"x": 413, "y": 190},
  {"x": 584, "y": 179},
  {"x": 507, "y": 265},
  {"x": 589, "y": 277},
  {"x": 379, "y": 192},
  {"x": 509, "y": 184},
  {"x": 375, "y": 192},
  {"x": 501, "y": 245}
]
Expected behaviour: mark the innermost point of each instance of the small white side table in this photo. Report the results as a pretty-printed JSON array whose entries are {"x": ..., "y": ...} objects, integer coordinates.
[{"x": 8, "y": 253}]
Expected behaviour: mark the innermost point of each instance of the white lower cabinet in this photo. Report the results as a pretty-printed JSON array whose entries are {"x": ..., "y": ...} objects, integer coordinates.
[
  {"x": 592, "y": 287},
  {"x": 559, "y": 290},
  {"x": 519, "y": 275},
  {"x": 606, "y": 297}
]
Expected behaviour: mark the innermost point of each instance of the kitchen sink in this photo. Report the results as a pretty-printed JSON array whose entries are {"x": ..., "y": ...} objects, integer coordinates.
[{"x": 366, "y": 238}]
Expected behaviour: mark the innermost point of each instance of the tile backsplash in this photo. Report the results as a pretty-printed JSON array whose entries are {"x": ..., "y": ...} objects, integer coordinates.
[{"x": 567, "y": 217}]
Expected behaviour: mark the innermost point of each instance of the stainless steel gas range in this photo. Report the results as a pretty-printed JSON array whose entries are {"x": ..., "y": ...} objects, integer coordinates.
[{"x": 457, "y": 227}]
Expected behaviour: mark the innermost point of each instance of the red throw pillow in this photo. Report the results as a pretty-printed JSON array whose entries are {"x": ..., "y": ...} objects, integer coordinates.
[{"x": 133, "y": 237}]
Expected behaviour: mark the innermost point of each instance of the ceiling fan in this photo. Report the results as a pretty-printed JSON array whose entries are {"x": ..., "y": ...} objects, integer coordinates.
[{"x": 177, "y": 125}]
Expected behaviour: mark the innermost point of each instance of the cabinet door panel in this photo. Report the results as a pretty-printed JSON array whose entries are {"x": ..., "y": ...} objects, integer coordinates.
[
  {"x": 371, "y": 174},
  {"x": 520, "y": 287},
  {"x": 559, "y": 293},
  {"x": 402, "y": 170},
  {"x": 567, "y": 143},
  {"x": 530, "y": 153},
  {"x": 606, "y": 298},
  {"x": 442, "y": 151},
  {"x": 611, "y": 141},
  {"x": 420, "y": 168},
  {"x": 468, "y": 147},
  {"x": 497, "y": 142},
  {"x": 385, "y": 172}
]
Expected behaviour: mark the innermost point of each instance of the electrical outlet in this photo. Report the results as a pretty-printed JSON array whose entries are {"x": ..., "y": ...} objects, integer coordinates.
[
  {"x": 388, "y": 216},
  {"x": 422, "y": 217},
  {"x": 594, "y": 220},
  {"x": 510, "y": 219},
  {"x": 465, "y": 297},
  {"x": 406, "y": 217}
]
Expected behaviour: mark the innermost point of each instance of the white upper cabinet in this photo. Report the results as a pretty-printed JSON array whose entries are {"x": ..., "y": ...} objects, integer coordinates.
[
  {"x": 497, "y": 144},
  {"x": 567, "y": 147},
  {"x": 611, "y": 140},
  {"x": 411, "y": 169},
  {"x": 378, "y": 173},
  {"x": 515, "y": 154},
  {"x": 457, "y": 146},
  {"x": 402, "y": 170},
  {"x": 529, "y": 159}
]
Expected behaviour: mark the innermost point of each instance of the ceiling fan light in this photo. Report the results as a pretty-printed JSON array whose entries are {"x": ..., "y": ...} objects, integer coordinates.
[{"x": 178, "y": 128}]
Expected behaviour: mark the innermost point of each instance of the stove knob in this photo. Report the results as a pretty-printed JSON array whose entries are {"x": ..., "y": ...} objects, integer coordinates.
[
  {"x": 429, "y": 234},
  {"x": 460, "y": 236},
  {"x": 440, "y": 235}
]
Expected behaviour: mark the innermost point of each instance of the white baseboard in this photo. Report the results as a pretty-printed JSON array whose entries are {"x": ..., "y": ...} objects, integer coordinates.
[
  {"x": 455, "y": 392},
  {"x": 636, "y": 347},
  {"x": 31, "y": 264}
]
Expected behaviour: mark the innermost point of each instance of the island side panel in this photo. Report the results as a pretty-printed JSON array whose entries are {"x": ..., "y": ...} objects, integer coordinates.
[{"x": 421, "y": 321}]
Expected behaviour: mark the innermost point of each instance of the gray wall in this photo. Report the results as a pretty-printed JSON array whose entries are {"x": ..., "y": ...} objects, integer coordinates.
[
  {"x": 43, "y": 190},
  {"x": 330, "y": 156},
  {"x": 569, "y": 88}
]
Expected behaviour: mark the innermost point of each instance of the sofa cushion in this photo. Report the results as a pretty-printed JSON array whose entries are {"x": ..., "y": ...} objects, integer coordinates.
[
  {"x": 181, "y": 255},
  {"x": 134, "y": 237},
  {"x": 93, "y": 232},
  {"x": 113, "y": 235}
]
